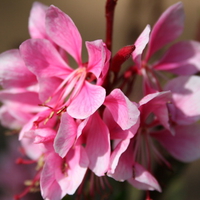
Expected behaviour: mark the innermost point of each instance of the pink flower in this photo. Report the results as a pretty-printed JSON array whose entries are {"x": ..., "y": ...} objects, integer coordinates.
[
  {"x": 19, "y": 94},
  {"x": 96, "y": 140},
  {"x": 130, "y": 159},
  {"x": 124, "y": 159},
  {"x": 185, "y": 107},
  {"x": 61, "y": 86},
  {"x": 61, "y": 176},
  {"x": 73, "y": 121},
  {"x": 58, "y": 175},
  {"x": 37, "y": 27},
  {"x": 181, "y": 58},
  {"x": 68, "y": 152}
]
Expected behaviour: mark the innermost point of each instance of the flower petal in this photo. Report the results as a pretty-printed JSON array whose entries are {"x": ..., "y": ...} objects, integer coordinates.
[
  {"x": 50, "y": 188},
  {"x": 66, "y": 135},
  {"x": 20, "y": 96},
  {"x": 143, "y": 179},
  {"x": 45, "y": 62},
  {"x": 13, "y": 71},
  {"x": 98, "y": 145},
  {"x": 76, "y": 163},
  {"x": 42, "y": 58},
  {"x": 42, "y": 135},
  {"x": 182, "y": 58},
  {"x": 37, "y": 21},
  {"x": 124, "y": 112},
  {"x": 62, "y": 30},
  {"x": 140, "y": 45},
  {"x": 120, "y": 162},
  {"x": 116, "y": 132},
  {"x": 87, "y": 101},
  {"x": 156, "y": 103},
  {"x": 184, "y": 145},
  {"x": 185, "y": 94},
  {"x": 37, "y": 120},
  {"x": 9, "y": 121},
  {"x": 32, "y": 150},
  {"x": 171, "y": 21},
  {"x": 98, "y": 55},
  {"x": 47, "y": 87}
]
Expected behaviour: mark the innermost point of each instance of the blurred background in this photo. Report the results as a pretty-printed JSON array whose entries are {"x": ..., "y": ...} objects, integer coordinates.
[{"x": 131, "y": 17}]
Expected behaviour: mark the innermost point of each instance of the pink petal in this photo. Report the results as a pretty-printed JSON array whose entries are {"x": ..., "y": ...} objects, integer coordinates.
[
  {"x": 121, "y": 162},
  {"x": 81, "y": 126},
  {"x": 15, "y": 115},
  {"x": 76, "y": 165},
  {"x": 20, "y": 96},
  {"x": 88, "y": 100},
  {"x": 149, "y": 84},
  {"x": 98, "y": 145},
  {"x": 168, "y": 27},
  {"x": 32, "y": 150},
  {"x": 140, "y": 44},
  {"x": 19, "y": 106},
  {"x": 45, "y": 62},
  {"x": 62, "y": 30},
  {"x": 13, "y": 71},
  {"x": 98, "y": 55},
  {"x": 124, "y": 112},
  {"x": 158, "y": 97},
  {"x": 185, "y": 94},
  {"x": 156, "y": 103},
  {"x": 42, "y": 135},
  {"x": 104, "y": 71},
  {"x": 116, "y": 132},
  {"x": 43, "y": 59},
  {"x": 143, "y": 179},
  {"x": 184, "y": 145},
  {"x": 39, "y": 117},
  {"x": 183, "y": 58},
  {"x": 47, "y": 87},
  {"x": 37, "y": 20},
  {"x": 66, "y": 135},
  {"x": 8, "y": 120},
  {"x": 50, "y": 188},
  {"x": 38, "y": 142}
]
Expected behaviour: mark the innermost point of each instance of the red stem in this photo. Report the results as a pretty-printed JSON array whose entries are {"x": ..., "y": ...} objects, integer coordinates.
[{"x": 110, "y": 7}]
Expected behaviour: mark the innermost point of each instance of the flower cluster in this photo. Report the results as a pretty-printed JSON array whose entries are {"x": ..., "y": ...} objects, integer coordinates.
[{"x": 80, "y": 120}]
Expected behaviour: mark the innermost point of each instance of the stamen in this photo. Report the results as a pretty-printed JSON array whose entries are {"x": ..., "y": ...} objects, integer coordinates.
[
  {"x": 64, "y": 168},
  {"x": 40, "y": 163},
  {"x": 61, "y": 110},
  {"x": 31, "y": 187},
  {"x": 25, "y": 192},
  {"x": 23, "y": 161},
  {"x": 69, "y": 87},
  {"x": 49, "y": 117},
  {"x": 159, "y": 157}
]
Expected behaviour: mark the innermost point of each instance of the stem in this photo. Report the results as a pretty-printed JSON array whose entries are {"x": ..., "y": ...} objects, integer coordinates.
[
  {"x": 109, "y": 12},
  {"x": 110, "y": 7}
]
